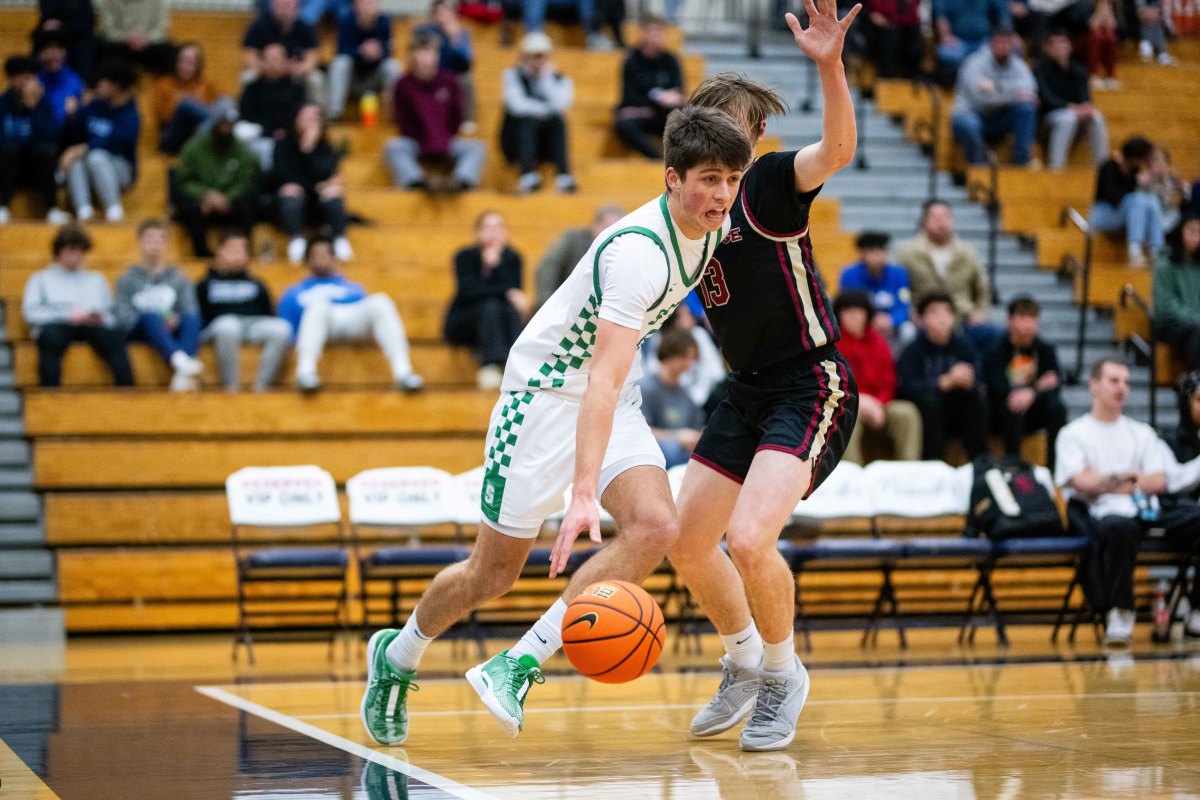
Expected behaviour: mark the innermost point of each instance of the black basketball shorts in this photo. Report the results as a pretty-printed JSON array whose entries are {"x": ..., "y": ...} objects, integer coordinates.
[{"x": 807, "y": 409}]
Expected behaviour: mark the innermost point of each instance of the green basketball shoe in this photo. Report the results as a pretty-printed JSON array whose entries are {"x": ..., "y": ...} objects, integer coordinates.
[
  {"x": 385, "y": 701},
  {"x": 502, "y": 682}
]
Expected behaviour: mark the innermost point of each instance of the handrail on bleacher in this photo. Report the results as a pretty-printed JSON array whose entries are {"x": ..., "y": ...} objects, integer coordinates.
[
  {"x": 932, "y": 127},
  {"x": 1072, "y": 216},
  {"x": 1129, "y": 296}
]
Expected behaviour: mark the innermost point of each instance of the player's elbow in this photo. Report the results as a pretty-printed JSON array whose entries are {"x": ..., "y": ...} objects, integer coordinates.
[{"x": 838, "y": 156}]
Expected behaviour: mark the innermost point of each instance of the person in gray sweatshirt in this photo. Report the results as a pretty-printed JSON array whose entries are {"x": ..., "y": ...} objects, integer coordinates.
[
  {"x": 996, "y": 95},
  {"x": 65, "y": 303},
  {"x": 156, "y": 303}
]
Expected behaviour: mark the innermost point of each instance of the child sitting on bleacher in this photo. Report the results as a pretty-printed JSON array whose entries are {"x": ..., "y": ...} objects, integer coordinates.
[{"x": 103, "y": 137}]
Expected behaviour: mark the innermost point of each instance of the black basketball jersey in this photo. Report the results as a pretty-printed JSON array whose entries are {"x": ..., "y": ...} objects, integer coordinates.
[{"x": 761, "y": 290}]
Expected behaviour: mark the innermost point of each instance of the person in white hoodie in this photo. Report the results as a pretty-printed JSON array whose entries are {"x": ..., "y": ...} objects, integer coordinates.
[
  {"x": 536, "y": 99},
  {"x": 65, "y": 303}
]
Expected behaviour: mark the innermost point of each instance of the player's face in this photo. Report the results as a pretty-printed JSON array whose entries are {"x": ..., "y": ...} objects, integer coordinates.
[{"x": 706, "y": 194}]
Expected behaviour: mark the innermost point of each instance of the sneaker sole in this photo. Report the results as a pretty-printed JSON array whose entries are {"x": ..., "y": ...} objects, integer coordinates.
[
  {"x": 741, "y": 714},
  {"x": 475, "y": 678},
  {"x": 787, "y": 740},
  {"x": 372, "y": 645}
]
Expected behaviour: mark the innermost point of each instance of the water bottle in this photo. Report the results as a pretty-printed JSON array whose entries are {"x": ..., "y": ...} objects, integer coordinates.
[
  {"x": 1145, "y": 508},
  {"x": 368, "y": 110},
  {"x": 1161, "y": 615}
]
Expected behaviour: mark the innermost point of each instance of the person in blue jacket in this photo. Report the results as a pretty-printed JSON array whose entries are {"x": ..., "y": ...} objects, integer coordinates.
[
  {"x": 102, "y": 158},
  {"x": 64, "y": 88},
  {"x": 326, "y": 307},
  {"x": 885, "y": 283},
  {"x": 28, "y": 139}
]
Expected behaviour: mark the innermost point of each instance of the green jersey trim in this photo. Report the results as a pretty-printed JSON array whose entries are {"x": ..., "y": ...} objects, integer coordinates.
[
  {"x": 648, "y": 234},
  {"x": 683, "y": 276}
]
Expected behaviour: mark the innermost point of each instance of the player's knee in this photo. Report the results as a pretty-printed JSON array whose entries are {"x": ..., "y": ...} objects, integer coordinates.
[
  {"x": 658, "y": 529},
  {"x": 749, "y": 553},
  {"x": 492, "y": 580}
]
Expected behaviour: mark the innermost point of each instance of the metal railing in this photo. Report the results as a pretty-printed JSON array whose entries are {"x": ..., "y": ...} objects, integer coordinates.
[
  {"x": 990, "y": 194},
  {"x": 1147, "y": 347},
  {"x": 1084, "y": 272},
  {"x": 931, "y": 128}
]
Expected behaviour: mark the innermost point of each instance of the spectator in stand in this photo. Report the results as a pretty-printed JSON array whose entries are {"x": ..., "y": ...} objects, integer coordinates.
[
  {"x": 591, "y": 14},
  {"x": 216, "y": 180},
  {"x": 269, "y": 106},
  {"x": 1067, "y": 108},
  {"x": 326, "y": 307},
  {"x": 1021, "y": 374},
  {"x": 1176, "y": 289},
  {"x": 1102, "y": 47},
  {"x": 489, "y": 308},
  {"x": 1036, "y": 19},
  {"x": 1123, "y": 202},
  {"x": 996, "y": 95},
  {"x": 885, "y": 284},
  {"x": 63, "y": 86},
  {"x": 306, "y": 172},
  {"x": 1153, "y": 26},
  {"x": 75, "y": 22},
  {"x": 28, "y": 140},
  {"x": 937, "y": 373},
  {"x": 566, "y": 252},
  {"x": 1168, "y": 186},
  {"x": 536, "y": 99},
  {"x": 156, "y": 303},
  {"x": 102, "y": 154},
  {"x": 938, "y": 261},
  {"x": 236, "y": 307},
  {"x": 281, "y": 25},
  {"x": 673, "y": 417},
  {"x": 960, "y": 28},
  {"x": 1185, "y": 441},
  {"x": 363, "y": 64},
  {"x": 136, "y": 30},
  {"x": 1113, "y": 469},
  {"x": 66, "y": 303},
  {"x": 651, "y": 88},
  {"x": 454, "y": 54},
  {"x": 870, "y": 359},
  {"x": 894, "y": 41},
  {"x": 427, "y": 107},
  {"x": 182, "y": 100},
  {"x": 707, "y": 373},
  {"x": 313, "y": 11}
]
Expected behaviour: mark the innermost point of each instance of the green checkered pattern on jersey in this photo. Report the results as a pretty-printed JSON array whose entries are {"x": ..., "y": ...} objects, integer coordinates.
[
  {"x": 499, "y": 453},
  {"x": 573, "y": 349}
]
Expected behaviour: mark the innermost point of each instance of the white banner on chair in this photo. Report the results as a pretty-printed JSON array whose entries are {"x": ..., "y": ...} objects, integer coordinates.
[
  {"x": 917, "y": 488},
  {"x": 843, "y": 494},
  {"x": 282, "y": 496},
  {"x": 468, "y": 488},
  {"x": 401, "y": 496}
]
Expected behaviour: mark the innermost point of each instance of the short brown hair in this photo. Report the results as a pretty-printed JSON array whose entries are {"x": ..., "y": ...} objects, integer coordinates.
[
  {"x": 695, "y": 136},
  {"x": 1024, "y": 306},
  {"x": 424, "y": 40},
  {"x": 676, "y": 343},
  {"x": 151, "y": 224},
  {"x": 749, "y": 102},
  {"x": 653, "y": 19},
  {"x": 1098, "y": 366},
  {"x": 71, "y": 235}
]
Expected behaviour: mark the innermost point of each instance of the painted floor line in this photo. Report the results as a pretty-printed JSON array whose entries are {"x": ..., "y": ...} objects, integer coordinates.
[
  {"x": 353, "y": 748},
  {"x": 1022, "y": 698}
]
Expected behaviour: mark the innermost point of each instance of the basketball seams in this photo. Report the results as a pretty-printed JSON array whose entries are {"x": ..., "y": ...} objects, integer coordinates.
[{"x": 621, "y": 645}]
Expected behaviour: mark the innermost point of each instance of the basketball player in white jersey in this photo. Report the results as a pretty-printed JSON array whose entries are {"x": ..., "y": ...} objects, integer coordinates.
[{"x": 569, "y": 414}]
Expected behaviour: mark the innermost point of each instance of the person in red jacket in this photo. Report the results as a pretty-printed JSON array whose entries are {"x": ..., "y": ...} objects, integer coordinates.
[
  {"x": 894, "y": 42},
  {"x": 870, "y": 358}
]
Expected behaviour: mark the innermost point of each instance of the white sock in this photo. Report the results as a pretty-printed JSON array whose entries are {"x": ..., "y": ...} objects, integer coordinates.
[
  {"x": 545, "y": 637},
  {"x": 405, "y": 651},
  {"x": 779, "y": 657},
  {"x": 745, "y": 647}
]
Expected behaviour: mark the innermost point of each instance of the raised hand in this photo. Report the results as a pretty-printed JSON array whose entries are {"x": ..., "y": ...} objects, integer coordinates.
[{"x": 822, "y": 41}]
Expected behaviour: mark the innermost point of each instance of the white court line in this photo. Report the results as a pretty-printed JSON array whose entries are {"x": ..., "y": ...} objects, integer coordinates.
[
  {"x": 1025, "y": 698},
  {"x": 353, "y": 748}
]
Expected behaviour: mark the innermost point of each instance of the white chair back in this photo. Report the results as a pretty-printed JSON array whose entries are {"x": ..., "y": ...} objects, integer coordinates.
[
  {"x": 916, "y": 489},
  {"x": 401, "y": 496},
  {"x": 277, "y": 497},
  {"x": 468, "y": 488},
  {"x": 843, "y": 494}
]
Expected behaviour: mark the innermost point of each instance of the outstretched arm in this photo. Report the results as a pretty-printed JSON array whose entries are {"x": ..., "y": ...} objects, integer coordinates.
[{"x": 822, "y": 42}]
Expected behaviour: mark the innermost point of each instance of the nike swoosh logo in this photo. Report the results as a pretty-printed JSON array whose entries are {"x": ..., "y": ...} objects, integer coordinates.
[
  {"x": 591, "y": 618},
  {"x": 539, "y": 638},
  {"x": 743, "y": 641}
]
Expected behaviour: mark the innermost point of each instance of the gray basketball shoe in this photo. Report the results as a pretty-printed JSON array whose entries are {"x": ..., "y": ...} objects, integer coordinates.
[
  {"x": 733, "y": 702},
  {"x": 780, "y": 700}
]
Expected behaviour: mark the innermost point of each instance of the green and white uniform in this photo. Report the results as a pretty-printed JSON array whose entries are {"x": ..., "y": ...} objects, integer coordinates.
[{"x": 634, "y": 275}]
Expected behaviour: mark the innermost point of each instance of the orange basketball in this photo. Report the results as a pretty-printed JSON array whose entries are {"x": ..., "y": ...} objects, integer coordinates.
[{"x": 613, "y": 632}]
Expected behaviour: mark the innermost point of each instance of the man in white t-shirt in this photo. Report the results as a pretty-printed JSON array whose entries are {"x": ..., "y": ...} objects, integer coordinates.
[
  {"x": 568, "y": 417},
  {"x": 1117, "y": 467}
]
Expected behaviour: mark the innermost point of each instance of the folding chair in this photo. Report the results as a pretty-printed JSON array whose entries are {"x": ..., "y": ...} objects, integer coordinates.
[
  {"x": 273, "y": 513},
  {"x": 410, "y": 501}
]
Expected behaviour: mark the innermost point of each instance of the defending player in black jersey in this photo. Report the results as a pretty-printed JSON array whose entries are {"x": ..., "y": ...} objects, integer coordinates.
[{"x": 791, "y": 405}]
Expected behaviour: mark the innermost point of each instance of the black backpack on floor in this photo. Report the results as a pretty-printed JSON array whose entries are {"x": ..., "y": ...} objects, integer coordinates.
[{"x": 1008, "y": 502}]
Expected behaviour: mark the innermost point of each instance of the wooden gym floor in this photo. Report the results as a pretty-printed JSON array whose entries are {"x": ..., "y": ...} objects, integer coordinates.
[{"x": 116, "y": 718}]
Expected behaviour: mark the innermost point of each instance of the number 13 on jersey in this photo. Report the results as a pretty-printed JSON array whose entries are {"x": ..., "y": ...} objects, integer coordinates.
[{"x": 714, "y": 291}]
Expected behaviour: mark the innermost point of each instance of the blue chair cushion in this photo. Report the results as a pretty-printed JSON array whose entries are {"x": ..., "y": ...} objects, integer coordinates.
[
  {"x": 416, "y": 556},
  {"x": 297, "y": 557},
  {"x": 853, "y": 548},
  {"x": 1157, "y": 544},
  {"x": 1041, "y": 546},
  {"x": 540, "y": 557},
  {"x": 946, "y": 547}
]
